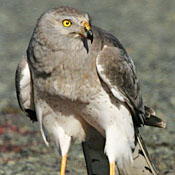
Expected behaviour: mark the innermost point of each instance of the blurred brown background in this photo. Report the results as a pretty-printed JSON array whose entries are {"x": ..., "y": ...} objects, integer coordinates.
[{"x": 146, "y": 28}]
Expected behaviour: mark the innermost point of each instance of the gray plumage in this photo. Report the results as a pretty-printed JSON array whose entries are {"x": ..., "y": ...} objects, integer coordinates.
[{"x": 75, "y": 86}]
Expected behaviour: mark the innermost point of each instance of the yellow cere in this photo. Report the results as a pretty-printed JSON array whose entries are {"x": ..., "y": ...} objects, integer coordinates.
[
  {"x": 67, "y": 23},
  {"x": 87, "y": 26}
]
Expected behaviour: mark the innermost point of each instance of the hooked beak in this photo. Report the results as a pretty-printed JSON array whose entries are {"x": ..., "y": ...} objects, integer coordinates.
[
  {"x": 90, "y": 36},
  {"x": 85, "y": 35},
  {"x": 88, "y": 31}
]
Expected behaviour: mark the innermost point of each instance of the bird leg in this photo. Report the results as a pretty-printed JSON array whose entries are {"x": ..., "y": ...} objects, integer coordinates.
[
  {"x": 63, "y": 164},
  {"x": 112, "y": 168}
]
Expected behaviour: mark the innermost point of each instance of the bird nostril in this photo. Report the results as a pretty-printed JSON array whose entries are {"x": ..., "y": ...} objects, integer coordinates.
[{"x": 85, "y": 28}]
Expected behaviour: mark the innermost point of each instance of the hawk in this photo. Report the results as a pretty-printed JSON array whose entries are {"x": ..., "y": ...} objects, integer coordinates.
[{"x": 77, "y": 79}]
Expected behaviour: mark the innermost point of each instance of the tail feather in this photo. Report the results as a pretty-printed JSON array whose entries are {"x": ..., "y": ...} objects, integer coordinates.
[
  {"x": 93, "y": 149},
  {"x": 97, "y": 163}
]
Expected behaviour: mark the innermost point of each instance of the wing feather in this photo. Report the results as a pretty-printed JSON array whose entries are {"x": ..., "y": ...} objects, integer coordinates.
[
  {"x": 117, "y": 70},
  {"x": 24, "y": 89}
]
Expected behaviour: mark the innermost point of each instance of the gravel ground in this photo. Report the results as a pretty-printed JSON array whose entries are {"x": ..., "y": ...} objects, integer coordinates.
[
  {"x": 146, "y": 28},
  {"x": 23, "y": 151}
]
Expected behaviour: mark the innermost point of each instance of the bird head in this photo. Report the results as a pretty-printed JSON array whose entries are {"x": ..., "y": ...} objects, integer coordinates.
[{"x": 66, "y": 24}]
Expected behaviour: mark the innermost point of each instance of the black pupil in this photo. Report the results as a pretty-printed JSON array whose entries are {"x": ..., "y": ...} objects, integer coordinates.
[{"x": 67, "y": 23}]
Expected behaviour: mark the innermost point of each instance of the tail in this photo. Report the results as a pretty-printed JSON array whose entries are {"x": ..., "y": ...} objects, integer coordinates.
[
  {"x": 97, "y": 163},
  {"x": 93, "y": 149}
]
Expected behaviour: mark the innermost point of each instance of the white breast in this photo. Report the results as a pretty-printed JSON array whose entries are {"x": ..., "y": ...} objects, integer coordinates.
[{"x": 114, "y": 121}]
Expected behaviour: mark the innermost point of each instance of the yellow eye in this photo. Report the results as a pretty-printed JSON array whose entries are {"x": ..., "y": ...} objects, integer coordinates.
[{"x": 66, "y": 23}]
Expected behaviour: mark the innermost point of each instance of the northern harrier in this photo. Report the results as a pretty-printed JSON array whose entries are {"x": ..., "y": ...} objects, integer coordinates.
[{"x": 77, "y": 78}]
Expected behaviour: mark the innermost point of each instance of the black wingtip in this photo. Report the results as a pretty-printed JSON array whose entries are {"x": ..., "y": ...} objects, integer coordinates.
[{"x": 155, "y": 121}]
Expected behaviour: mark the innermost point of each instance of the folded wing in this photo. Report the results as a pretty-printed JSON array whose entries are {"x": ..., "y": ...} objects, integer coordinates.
[
  {"x": 117, "y": 71},
  {"x": 24, "y": 89}
]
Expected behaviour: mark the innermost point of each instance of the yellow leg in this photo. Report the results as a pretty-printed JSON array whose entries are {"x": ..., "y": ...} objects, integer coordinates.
[
  {"x": 112, "y": 168},
  {"x": 63, "y": 165}
]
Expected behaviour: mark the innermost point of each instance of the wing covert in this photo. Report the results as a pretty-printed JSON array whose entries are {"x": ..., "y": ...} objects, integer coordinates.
[{"x": 117, "y": 70}]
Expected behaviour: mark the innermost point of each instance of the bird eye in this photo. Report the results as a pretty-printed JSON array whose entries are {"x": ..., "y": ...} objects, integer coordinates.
[{"x": 66, "y": 23}]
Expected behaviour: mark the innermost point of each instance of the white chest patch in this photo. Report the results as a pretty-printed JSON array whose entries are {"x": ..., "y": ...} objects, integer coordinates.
[{"x": 114, "y": 121}]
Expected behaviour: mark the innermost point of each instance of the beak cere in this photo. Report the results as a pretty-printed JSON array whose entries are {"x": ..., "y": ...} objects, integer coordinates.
[{"x": 87, "y": 26}]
